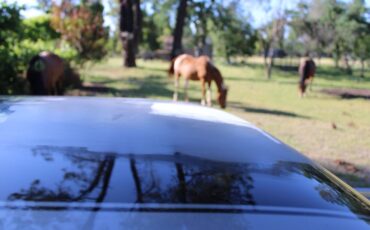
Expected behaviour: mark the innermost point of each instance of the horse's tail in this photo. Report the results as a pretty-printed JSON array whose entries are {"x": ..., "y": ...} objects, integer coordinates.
[
  {"x": 34, "y": 75},
  {"x": 171, "y": 70}
]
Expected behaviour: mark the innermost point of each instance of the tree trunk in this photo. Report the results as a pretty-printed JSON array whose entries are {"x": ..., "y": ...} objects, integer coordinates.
[
  {"x": 347, "y": 65},
  {"x": 177, "y": 34},
  {"x": 270, "y": 64},
  {"x": 227, "y": 56},
  {"x": 138, "y": 21},
  {"x": 268, "y": 60},
  {"x": 128, "y": 44},
  {"x": 202, "y": 27},
  {"x": 362, "y": 68},
  {"x": 127, "y": 33},
  {"x": 337, "y": 56}
]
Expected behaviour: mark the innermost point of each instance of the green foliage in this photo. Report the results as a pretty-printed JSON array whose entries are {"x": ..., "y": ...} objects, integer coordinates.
[
  {"x": 355, "y": 30},
  {"x": 333, "y": 27},
  {"x": 150, "y": 32},
  {"x": 156, "y": 23},
  {"x": 237, "y": 38},
  {"x": 39, "y": 28},
  {"x": 10, "y": 24},
  {"x": 20, "y": 41},
  {"x": 231, "y": 33},
  {"x": 81, "y": 26}
]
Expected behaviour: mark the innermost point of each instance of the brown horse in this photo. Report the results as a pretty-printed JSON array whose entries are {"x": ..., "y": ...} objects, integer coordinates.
[
  {"x": 307, "y": 69},
  {"x": 198, "y": 69},
  {"x": 45, "y": 74}
]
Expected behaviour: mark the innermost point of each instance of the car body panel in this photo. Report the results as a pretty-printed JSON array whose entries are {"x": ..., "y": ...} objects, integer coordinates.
[
  {"x": 138, "y": 126},
  {"x": 112, "y": 163},
  {"x": 22, "y": 219}
]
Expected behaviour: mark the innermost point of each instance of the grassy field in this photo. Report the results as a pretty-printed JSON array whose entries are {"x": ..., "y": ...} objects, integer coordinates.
[{"x": 329, "y": 129}]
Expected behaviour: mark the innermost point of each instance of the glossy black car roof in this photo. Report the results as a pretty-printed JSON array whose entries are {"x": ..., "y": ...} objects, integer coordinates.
[
  {"x": 135, "y": 155},
  {"x": 137, "y": 126}
]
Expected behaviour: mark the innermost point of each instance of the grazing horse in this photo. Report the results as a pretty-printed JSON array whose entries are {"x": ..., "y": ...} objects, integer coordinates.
[
  {"x": 45, "y": 74},
  {"x": 307, "y": 69},
  {"x": 198, "y": 69}
]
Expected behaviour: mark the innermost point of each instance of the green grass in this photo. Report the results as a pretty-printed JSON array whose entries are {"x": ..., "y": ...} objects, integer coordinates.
[{"x": 274, "y": 105}]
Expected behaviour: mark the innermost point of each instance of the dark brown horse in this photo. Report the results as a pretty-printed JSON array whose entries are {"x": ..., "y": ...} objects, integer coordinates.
[
  {"x": 198, "y": 69},
  {"x": 45, "y": 74},
  {"x": 307, "y": 69}
]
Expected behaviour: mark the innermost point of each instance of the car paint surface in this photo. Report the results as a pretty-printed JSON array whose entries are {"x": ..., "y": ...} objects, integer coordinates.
[{"x": 95, "y": 163}]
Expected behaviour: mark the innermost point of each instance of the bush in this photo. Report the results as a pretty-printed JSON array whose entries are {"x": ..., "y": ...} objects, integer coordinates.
[
  {"x": 81, "y": 26},
  {"x": 20, "y": 41},
  {"x": 10, "y": 24}
]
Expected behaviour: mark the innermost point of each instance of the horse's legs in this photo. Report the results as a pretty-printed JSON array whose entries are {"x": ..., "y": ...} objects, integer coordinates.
[
  {"x": 186, "y": 86},
  {"x": 311, "y": 81},
  {"x": 203, "y": 101},
  {"x": 50, "y": 90},
  {"x": 209, "y": 94},
  {"x": 59, "y": 87},
  {"x": 176, "y": 83}
]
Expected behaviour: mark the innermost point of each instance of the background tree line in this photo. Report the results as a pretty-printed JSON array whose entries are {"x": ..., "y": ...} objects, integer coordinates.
[{"x": 165, "y": 28}]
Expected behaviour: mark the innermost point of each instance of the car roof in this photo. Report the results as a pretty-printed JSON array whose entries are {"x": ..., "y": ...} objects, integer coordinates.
[
  {"x": 144, "y": 148},
  {"x": 137, "y": 126}
]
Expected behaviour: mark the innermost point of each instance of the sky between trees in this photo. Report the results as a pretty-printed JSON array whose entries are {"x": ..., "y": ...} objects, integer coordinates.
[{"x": 260, "y": 13}]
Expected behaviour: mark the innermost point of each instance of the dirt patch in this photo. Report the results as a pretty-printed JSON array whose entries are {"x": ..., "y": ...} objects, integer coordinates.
[
  {"x": 348, "y": 93},
  {"x": 354, "y": 175},
  {"x": 347, "y": 166}
]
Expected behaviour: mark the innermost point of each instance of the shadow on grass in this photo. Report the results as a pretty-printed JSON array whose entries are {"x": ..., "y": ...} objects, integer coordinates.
[
  {"x": 154, "y": 69},
  {"x": 291, "y": 69},
  {"x": 327, "y": 73},
  {"x": 262, "y": 79},
  {"x": 348, "y": 93},
  {"x": 146, "y": 87},
  {"x": 266, "y": 111},
  {"x": 246, "y": 64}
]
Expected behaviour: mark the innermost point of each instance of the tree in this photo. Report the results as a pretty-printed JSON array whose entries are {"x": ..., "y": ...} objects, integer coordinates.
[
  {"x": 271, "y": 37},
  {"x": 309, "y": 29},
  {"x": 82, "y": 27},
  {"x": 354, "y": 32},
  {"x": 233, "y": 36},
  {"x": 200, "y": 14},
  {"x": 39, "y": 27},
  {"x": 130, "y": 28},
  {"x": 178, "y": 31},
  {"x": 362, "y": 50},
  {"x": 138, "y": 21},
  {"x": 333, "y": 27}
]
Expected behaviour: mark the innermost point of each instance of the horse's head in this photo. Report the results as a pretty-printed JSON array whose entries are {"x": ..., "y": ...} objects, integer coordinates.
[{"x": 222, "y": 96}]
